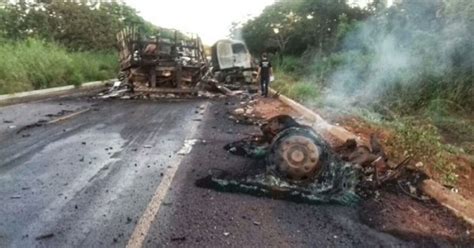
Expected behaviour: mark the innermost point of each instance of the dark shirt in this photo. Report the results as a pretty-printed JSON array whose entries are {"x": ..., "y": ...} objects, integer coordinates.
[{"x": 265, "y": 66}]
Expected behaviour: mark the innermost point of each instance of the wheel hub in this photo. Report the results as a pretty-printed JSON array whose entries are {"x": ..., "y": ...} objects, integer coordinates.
[{"x": 298, "y": 157}]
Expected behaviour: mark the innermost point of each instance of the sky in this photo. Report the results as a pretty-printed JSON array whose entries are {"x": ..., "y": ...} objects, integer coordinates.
[{"x": 210, "y": 19}]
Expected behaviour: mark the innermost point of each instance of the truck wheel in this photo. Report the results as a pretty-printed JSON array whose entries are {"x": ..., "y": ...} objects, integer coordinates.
[{"x": 297, "y": 153}]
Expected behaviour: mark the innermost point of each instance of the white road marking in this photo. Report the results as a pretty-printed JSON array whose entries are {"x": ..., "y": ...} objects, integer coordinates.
[{"x": 143, "y": 227}]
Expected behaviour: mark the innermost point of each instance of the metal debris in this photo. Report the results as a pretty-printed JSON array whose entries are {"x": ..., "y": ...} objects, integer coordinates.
[
  {"x": 182, "y": 238},
  {"x": 45, "y": 236},
  {"x": 301, "y": 166}
]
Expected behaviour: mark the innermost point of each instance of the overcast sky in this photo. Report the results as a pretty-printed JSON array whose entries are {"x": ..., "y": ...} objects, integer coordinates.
[{"x": 210, "y": 19}]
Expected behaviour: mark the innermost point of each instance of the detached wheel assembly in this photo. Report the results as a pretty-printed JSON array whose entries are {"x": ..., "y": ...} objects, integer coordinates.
[{"x": 296, "y": 153}]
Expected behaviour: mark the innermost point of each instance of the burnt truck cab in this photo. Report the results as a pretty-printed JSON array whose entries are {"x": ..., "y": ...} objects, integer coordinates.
[{"x": 232, "y": 62}]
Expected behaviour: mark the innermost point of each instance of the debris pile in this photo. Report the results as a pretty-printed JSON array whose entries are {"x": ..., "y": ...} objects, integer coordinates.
[
  {"x": 245, "y": 114},
  {"x": 301, "y": 166},
  {"x": 120, "y": 90}
]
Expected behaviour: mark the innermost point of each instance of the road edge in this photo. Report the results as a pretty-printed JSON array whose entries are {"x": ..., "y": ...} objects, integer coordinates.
[
  {"x": 44, "y": 93},
  {"x": 456, "y": 203}
]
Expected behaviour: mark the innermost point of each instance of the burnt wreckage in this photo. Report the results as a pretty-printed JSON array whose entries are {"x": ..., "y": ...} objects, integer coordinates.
[
  {"x": 169, "y": 62},
  {"x": 301, "y": 166}
]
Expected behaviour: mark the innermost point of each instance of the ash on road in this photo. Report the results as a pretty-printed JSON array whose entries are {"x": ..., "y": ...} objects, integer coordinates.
[{"x": 87, "y": 182}]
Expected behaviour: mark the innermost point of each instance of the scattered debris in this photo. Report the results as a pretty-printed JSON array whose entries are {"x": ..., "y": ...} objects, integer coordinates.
[
  {"x": 60, "y": 113},
  {"x": 239, "y": 111},
  {"x": 45, "y": 236},
  {"x": 302, "y": 167},
  {"x": 181, "y": 238},
  {"x": 187, "y": 147},
  {"x": 15, "y": 197},
  {"x": 37, "y": 124},
  {"x": 55, "y": 118}
]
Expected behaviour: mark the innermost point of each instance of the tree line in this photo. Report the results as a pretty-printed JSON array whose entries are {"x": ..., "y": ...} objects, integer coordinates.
[
  {"x": 77, "y": 25},
  {"x": 404, "y": 55}
]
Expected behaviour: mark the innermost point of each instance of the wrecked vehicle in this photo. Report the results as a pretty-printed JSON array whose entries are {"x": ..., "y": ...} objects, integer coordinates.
[
  {"x": 232, "y": 62},
  {"x": 301, "y": 166},
  {"x": 169, "y": 62}
]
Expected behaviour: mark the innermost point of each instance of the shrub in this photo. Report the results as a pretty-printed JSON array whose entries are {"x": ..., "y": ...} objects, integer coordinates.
[{"x": 34, "y": 64}]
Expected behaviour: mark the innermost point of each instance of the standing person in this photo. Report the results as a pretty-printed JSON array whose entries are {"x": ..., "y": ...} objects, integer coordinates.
[{"x": 264, "y": 73}]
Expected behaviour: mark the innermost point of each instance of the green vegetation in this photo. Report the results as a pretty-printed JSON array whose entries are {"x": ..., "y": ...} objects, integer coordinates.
[
  {"x": 32, "y": 64},
  {"x": 52, "y": 43},
  {"x": 76, "y": 25},
  {"x": 410, "y": 65}
]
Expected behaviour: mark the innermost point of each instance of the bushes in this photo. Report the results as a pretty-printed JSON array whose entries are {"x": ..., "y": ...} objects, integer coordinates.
[
  {"x": 289, "y": 64},
  {"x": 299, "y": 90},
  {"x": 33, "y": 64}
]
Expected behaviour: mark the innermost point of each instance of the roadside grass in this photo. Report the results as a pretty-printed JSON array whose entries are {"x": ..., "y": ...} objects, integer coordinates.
[
  {"x": 301, "y": 90},
  {"x": 33, "y": 64}
]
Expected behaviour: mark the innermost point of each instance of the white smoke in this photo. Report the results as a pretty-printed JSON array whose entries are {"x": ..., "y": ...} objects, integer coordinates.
[{"x": 387, "y": 53}]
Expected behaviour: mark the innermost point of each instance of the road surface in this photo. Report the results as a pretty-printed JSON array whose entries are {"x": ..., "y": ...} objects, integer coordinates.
[{"x": 119, "y": 174}]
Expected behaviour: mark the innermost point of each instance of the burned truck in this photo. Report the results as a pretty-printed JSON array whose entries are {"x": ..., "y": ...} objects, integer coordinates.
[
  {"x": 168, "y": 62},
  {"x": 232, "y": 62}
]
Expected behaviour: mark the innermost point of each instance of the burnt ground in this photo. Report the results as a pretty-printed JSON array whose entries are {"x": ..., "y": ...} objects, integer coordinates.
[
  {"x": 203, "y": 217},
  {"x": 86, "y": 181}
]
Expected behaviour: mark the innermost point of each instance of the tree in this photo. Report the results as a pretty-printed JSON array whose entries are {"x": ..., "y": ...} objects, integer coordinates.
[
  {"x": 77, "y": 25},
  {"x": 296, "y": 26}
]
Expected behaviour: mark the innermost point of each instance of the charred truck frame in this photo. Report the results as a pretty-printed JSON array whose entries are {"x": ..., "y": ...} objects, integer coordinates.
[{"x": 169, "y": 62}]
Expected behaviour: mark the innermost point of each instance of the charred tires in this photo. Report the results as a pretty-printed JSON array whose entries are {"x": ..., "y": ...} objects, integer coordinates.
[{"x": 297, "y": 153}]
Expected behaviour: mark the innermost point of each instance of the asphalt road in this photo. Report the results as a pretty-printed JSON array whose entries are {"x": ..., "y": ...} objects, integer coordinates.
[{"x": 117, "y": 175}]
